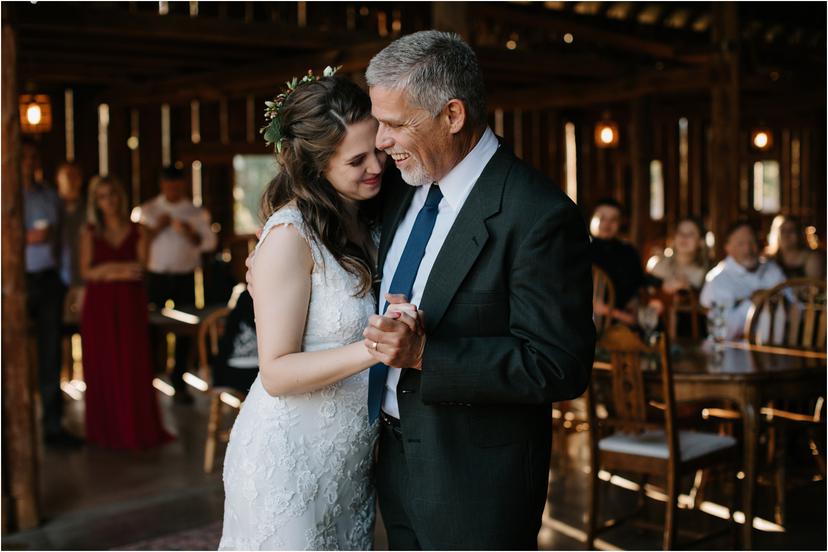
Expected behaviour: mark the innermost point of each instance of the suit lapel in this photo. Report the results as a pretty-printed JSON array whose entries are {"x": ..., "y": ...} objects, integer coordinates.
[{"x": 465, "y": 240}]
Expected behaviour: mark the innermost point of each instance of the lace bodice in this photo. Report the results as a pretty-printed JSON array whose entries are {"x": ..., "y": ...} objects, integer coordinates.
[
  {"x": 297, "y": 468},
  {"x": 335, "y": 316}
]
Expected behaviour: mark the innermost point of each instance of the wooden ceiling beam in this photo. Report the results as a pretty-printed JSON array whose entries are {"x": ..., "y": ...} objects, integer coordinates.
[
  {"x": 127, "y": 63},
  {"x": 583, "y": 31},
  {"x": 545, "y": 65},
  {"x": 563, "y": 95},
  {"x": 83, "y": 46},
  {"x": 256, "y": 78},
  {"x": 92, "y": 21}
]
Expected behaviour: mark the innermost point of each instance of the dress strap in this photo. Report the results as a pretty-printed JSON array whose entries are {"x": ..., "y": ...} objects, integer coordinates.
[{"x": 290, "y": 215}]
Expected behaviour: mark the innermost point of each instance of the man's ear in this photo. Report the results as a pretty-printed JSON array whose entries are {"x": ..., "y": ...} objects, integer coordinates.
[{"x": 455, "y": 111}]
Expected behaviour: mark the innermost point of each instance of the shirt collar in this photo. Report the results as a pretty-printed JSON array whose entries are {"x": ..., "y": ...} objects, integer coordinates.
[
  {"x": 163, "y": 202},
  {"x": 731, "y": 264},
  {"x": 457, "y": 184}
]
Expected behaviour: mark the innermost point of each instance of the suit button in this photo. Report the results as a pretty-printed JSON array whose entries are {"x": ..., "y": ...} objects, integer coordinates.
[{"x": 405, "y": 391}]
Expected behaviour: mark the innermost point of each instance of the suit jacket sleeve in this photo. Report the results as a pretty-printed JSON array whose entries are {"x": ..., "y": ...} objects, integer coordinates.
[{"x": 547, "y": 353}]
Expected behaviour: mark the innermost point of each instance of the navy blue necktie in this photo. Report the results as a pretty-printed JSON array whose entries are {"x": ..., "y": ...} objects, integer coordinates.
[{"x": 403, "y": 283}]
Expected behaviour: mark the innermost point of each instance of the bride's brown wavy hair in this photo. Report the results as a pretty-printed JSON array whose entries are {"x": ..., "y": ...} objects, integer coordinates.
[{"x": 314, "y": 120}]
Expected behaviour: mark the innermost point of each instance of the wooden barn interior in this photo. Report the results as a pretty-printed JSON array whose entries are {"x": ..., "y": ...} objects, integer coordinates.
[{"x": 709, "y": 109}]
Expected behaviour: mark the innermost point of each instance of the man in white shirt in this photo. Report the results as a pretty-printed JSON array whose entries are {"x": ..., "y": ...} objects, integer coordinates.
[
  {"x": 179, "y": 233},
  {"x": 733, "y": 282}
]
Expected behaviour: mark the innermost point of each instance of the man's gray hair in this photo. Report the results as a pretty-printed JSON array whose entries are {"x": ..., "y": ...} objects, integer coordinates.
[{"x": 433, "y": 67}]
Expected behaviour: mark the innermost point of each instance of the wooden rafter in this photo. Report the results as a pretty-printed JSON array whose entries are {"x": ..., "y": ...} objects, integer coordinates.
[
  {"x": 151, "y": 27},
  {"x": 250, "y": 79},
  {"x": 560, "y": 95},
  {"x": 583, "y": 31}
]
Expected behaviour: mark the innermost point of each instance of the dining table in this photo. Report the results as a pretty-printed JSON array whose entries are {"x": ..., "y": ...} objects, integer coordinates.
[{"x": 750, "y": 376}]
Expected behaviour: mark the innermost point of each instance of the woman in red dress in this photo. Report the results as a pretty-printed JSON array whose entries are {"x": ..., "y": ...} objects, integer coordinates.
[{"x": 121, "y": 407}]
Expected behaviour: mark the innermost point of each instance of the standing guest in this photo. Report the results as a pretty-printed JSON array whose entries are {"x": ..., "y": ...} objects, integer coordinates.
[
  {"x": 73, "y": 215},
  {"x": 179, "y": 232},
  {"x": 734, "y": 281},
  {"x": 121, "y": 407},
  {"x": 41, "y": 207},
  {"x": 618, "y": 259},
  {"x": 686, "y": 267},
  {"x": 497, "y": 257},
  {"x": 786, "y": 246}
]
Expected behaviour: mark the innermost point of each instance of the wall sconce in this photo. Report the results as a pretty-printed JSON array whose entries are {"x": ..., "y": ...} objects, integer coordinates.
[
  {"x": 606, "y": 134},
  {"x": 761, "y": 139},
  {"x": 35, "y": 113}
]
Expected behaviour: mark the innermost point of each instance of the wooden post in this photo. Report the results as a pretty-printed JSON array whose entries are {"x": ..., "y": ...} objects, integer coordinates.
[
  {"x": 639, "y": 164},
  {"x": 724, "y": 182},
  {"x": 19, "y": 459}
]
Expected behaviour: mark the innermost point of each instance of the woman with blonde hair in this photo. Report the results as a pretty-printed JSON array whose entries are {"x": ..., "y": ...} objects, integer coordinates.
[
  {"x": 121, "y": 407},
  {"x": 686, "y": 267}
]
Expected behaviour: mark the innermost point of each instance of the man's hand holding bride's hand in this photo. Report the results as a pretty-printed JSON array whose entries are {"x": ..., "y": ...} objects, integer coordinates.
[
  {"x": 397, "y": 338},
  {"x": 248, "y": 276}
]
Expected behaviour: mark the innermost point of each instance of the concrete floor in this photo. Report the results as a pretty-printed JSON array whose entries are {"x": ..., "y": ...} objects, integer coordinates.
[{"x": 99, "y": 499}]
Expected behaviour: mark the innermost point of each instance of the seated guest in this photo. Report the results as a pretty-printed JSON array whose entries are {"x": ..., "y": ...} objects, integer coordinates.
[
  {"x": 121, "y": 407},
  {"x": 237, "y": 363},
  {"x": 686, "y": 267},
  {"x": 618, "y": 259},
  {"x": 733, "y": 282},
  {"x": 786, "y": 246}
]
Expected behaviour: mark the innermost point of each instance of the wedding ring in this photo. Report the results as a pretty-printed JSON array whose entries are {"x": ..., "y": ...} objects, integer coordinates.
[{"x": 375, "y": 345}]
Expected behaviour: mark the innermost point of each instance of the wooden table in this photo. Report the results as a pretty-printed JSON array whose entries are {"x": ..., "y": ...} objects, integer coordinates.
[
  {"x": 749, "y": 375},
  {"x": 182, "y": 322}
]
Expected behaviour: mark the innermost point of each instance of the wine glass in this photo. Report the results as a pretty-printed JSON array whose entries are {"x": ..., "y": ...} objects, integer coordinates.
[{"x": 648, "y": 321}]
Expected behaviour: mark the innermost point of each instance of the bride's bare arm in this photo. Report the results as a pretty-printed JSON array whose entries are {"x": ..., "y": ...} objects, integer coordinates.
[{"x": 282, "y": 277}]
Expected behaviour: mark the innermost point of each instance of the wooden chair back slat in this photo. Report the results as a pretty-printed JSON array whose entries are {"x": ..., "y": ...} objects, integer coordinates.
[
  {"x": 791, "y": 314},
  {"x": 603, "y": 291},
  {"x": 685, "y": 301},
  {"x": 794, "y": 327},
  {"x": 210, "y": 331},
  {"x": 820, "y": 336}
]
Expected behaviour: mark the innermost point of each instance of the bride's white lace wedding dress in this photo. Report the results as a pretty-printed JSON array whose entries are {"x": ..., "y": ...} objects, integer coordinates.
[{"x": 297, "y": 469}]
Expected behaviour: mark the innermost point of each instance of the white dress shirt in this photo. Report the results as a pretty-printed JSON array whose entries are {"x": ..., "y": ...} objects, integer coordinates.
[
  {"x": 172, "y": 252},
  {"x": 730, "y": 285},
  {"x": 455, "y": 186}
]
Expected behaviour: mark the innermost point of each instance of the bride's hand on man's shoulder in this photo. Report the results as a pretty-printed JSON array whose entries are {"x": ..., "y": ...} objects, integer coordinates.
[{"x": 248, "y": 275}]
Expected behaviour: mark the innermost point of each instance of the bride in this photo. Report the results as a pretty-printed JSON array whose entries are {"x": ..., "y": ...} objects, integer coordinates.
[{"x": 297, "y": 468}]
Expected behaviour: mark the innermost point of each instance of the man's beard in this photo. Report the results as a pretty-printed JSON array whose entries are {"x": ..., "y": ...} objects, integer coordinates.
[{"x": 416, "y": 176}]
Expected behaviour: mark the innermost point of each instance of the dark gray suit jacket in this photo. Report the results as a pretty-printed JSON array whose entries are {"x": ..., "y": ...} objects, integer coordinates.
[{"x": 508, "y": 315}]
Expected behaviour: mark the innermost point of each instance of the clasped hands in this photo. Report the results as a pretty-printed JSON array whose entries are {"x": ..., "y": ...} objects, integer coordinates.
[
  {"x": 397, "y": 338},
  {"x": 180, "y": 226}
]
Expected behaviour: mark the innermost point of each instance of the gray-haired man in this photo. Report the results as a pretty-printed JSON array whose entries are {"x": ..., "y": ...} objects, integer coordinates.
[{"x": 497, "y": 259}]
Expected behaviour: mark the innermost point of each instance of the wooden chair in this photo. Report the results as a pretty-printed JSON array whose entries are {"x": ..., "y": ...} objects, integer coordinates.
[
  {"x": 603, "y": 291},
  {"x": 222, "y": 399},
  {"x": 639, "y": 434},
  {"x": 568, "y": 416},
  {"x": 791, "y": 315},
  {"x": 685, "y": 302}
]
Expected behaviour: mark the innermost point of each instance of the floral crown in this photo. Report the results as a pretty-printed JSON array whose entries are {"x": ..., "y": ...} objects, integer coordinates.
[{"x": 273, "y": 130}]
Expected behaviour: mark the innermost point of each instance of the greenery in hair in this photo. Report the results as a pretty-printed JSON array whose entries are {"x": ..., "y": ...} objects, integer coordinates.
[{"x": 273, "y": 130}]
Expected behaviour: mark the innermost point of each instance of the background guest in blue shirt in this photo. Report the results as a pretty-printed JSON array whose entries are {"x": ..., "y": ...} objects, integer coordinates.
[{"x": 45, "y": 289}]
